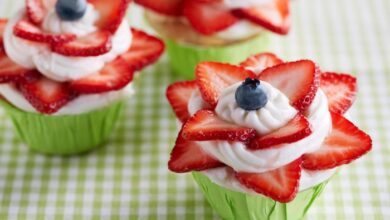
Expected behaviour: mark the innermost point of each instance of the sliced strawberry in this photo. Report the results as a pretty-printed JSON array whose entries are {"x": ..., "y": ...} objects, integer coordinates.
[
  {"x": 273, "y": 15},
  {"x": 114, "y": 76},
  {"x": 111, "y": 13},
  {"x": 37, "y": 9},
  {"x": 3, "y": 23},
  {"x": 145, "y": 49},
  {"x": 213, "y": 77},
  {"x": 93, "y": 44},
  {"x": 12, "y": 72},
  {"x": 340, "y": 89},
  {"x": 188, "y": 156},
  {"x": 208, "y": 18},
  {"x": 178, "y": 95},
  {"x": 166, "y": 7},
  {"x": 345, "y": 144},
  {"x": 294, "y": 130},
  {"x": 206, "y": 125},
  {"x": 280, "y": 184},
  {"x": 261, "y": 61},
  {"x": 298, "y": 80},
  {"x": 26, "y": 30},
  {"x": 47, "y": 96}
]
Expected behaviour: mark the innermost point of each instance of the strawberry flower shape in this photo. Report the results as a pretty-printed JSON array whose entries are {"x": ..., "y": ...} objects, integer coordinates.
[
  {"x": 210, "y": 17},
  {"x": 48, "y": 94},
  {"x": 206, "y": 137}
]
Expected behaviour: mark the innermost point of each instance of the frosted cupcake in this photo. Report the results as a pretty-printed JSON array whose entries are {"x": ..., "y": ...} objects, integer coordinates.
[
  {"x": 66, "y": 67},
  {"x": 217, "y": 30},
  {"x": 262, "y": 139}
]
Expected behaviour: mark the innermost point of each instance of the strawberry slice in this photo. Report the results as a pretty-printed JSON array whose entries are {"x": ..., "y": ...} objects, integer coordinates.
[
  {"x": 178, "y": 95},
  {"x": 47, "y": 96},
  {"x": 3, "y": 23},
  {"x": 11, "y": 72},
  {"x": 340, "y": 89},
  {"x": 296, "y": 129},
  {"x": 280, "y": 184},
  {"x": 166, "y": 7},
  {"x": 26, "y": 30},
  {"x": 206, "y": 125},
  {"x": 345, "y": 144},
  {"x": 114, "y": 76},
  {"x": 213, "y": 77},
  {"x": 298, "y": 80},
  {"x": 261, "y": 61},
  {"x": 111, "y": 13},
  {"x": 208, "y": 18},
  {"x": 93, "y": 44},
  {"x": 145, "y": 49},
  {"x": 273, "y": 15},
  {"x": 188, "y": 156}
]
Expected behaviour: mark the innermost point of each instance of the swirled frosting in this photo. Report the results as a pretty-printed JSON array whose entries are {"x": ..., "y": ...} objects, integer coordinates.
[{"x": 240, "y": 158}]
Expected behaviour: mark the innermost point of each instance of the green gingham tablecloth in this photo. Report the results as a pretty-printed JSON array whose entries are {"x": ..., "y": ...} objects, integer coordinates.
[{"x": 128, "y": 178}]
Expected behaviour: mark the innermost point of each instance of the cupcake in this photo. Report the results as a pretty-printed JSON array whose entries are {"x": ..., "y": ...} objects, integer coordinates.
[
  {"x": 66, "y": 68},
  {"x": 215, "y": 30},
  {"x": 262, "y": 139}
]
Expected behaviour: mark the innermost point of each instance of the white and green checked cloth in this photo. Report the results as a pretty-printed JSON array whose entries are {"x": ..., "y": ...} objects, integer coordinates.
[{"x": 129, "y": 179}]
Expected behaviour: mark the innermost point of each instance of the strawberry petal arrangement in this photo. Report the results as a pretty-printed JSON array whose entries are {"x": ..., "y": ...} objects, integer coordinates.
[
  {"x": 217, "y": 30},
  {"x": 264, "y": 136},
  {"x": 65, "y": 68}
]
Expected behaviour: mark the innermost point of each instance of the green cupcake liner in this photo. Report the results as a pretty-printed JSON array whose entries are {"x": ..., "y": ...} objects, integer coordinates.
[
  {"x": 67, "y": 134},
  {"x": 236, "y": 205},
  {"x": 184, "y": 57}
]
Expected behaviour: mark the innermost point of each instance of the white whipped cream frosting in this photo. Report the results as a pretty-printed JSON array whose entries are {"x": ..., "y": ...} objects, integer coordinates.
[
  {"x": 56, "y": 66},
  {"x": 33, "y": 55},
  {"x": 275, "y": 114},
  {"x": 240, "y": 30},
  {"x": 81, "y": 104},
  {"x": 232, "y": 4},
  {"x": 242, "y": 159},
  {"x": 53, "y": 24}
]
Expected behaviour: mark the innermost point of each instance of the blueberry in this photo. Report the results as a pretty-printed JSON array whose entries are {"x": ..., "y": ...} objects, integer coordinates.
[
  {"x": 250, "y": 95},
  {"x": 71, "y": 10}
]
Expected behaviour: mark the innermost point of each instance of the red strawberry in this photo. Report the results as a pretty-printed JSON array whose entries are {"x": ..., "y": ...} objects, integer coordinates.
[
  {"x": 37, "y": 9},
  {"x": 273, "y": 15},
  {"x": 188, "y": 156},
  {"x": 206, "y": 125},
  {"x": 3, "y": 23},
  {"x": 208, "y": 18},
  {"x": 340, "y": 89},
  {"x": 10, "y": 71},
  {"x": 93, "y": 44},
  {"x": 166, "y": 7},
  {"x": 145, "y": 49},
  {"x": 345, "y": 144},
  {"x": 111, "y": 13},
  {"x": 280, "y": 184},
  {"x": 47, "y": 96},
  {"x": 178, "y": 95},
  {"x": 298, "y": 80},
  {"x": 261, "y": 61},
  {"x": 26, "y": 30},
  {"x": 213, "y": 77},
  {"x": 114, "y": 76},
  {"x": 294, "y": 130}
]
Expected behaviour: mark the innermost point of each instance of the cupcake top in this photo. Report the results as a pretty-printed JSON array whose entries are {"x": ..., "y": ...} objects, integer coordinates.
[
  {"x": 266, "y": 126},
  {"x": 71, "y": 56},
  {"x": 217, "y": 21}
]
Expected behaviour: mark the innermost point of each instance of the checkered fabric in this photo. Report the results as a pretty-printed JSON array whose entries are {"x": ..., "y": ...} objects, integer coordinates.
[{"x": 128, "y": 178}]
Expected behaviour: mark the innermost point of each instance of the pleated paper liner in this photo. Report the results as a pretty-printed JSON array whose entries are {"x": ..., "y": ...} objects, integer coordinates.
[
  {"x": 237, "y": 205},
  {"x": 64, "y": 134}
]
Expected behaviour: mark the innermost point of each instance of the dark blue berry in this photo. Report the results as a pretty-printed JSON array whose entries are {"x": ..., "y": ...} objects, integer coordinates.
[
  {"x": 250, "y": 95},
  {"x": 71, "y": 10}
]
